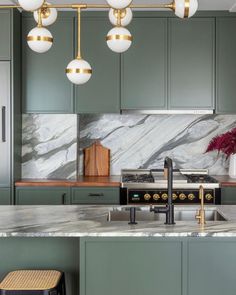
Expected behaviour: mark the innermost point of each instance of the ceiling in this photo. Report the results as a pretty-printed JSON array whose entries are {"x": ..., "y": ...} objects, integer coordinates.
[{"x": 203, "y": 4}]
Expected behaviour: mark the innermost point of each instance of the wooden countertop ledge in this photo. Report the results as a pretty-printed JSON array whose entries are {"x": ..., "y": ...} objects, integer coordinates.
[{"x": 111, "y": 181}]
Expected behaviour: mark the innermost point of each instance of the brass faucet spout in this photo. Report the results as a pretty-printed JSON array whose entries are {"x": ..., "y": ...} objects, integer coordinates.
[{"x": 200, "y": 216}]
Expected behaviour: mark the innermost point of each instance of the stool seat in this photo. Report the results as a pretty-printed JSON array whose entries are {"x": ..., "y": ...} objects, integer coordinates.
[{"x": 33, "y": 282}]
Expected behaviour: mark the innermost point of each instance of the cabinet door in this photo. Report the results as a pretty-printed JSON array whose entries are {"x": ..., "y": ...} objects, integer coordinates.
[
  {"x": 96, "y": 195},
  {"x": 212, "y": 267},
  {"x": 228, "y": 195},
  {"x": 191, "y": 63},
  {"x": 42, "y": 196},
  {"x": 101, "y": 94},
  {"x": 144, "y": 66},
  {"x": 5, "y": 35},
  {"x": 5, "y": 196},
  {"x": 130, "y": 266},
  {"x": 46, "y": 88},
  {"x": 5, "y": 140},
  {"x": 226, "y": 65}
]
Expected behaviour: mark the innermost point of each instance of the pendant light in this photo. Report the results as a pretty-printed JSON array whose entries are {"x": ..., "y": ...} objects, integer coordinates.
[
  {"x": 119, "y": 39},
  {"x": 79, "y": 70},
  {"x": 40, "y": 39},
  {"x": 185, "y": 8},
  {"x": 31, "y": 5},
  {"x": 126, "y": 16},
  {"x": 48, "y": 15},
  {"x": 119, "y": 4}
]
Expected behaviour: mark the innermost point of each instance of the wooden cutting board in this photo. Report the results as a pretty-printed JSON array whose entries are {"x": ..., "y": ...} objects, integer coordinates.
[{"x": 96, "y": 160}]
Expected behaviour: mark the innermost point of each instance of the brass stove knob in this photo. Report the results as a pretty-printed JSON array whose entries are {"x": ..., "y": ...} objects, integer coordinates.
[
  {"x": 182, "y": 197},
  {"x": 191, "y": 197},
  {"x": 164, "y": 197},
  {"x": 209, "y": 197},
  {"x": 156, "y": 197},
  {"x": 147, "y": 197},
  {"x": 174, "y": 197}
]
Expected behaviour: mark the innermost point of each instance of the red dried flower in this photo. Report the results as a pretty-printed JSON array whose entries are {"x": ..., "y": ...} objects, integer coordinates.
[{"x": 225, "y": 143}]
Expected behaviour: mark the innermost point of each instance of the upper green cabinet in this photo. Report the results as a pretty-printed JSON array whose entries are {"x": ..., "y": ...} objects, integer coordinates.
[
  {"x": 5, "y": 34},
  {"x": 144, "y": 66},
  {"x": 226, "y": 65},
  {"x": 45, "y": 85},
  {"x": 191, "y": 63},
  {"x": 102, "y": 92}
]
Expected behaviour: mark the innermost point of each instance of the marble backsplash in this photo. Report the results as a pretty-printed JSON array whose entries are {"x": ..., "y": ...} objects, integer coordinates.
[{"x": 51, "y": 143}]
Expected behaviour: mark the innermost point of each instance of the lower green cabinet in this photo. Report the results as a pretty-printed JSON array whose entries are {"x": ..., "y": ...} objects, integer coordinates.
[
  {"x": 96, "y": 195},
  {"x": 42, "y": 196},
  {"x": 228, "y": 195},
  {"x": 5, "y": 196}
]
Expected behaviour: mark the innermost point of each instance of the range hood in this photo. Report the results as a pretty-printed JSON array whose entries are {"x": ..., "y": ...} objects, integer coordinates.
[{"x": 167, "y": 112}]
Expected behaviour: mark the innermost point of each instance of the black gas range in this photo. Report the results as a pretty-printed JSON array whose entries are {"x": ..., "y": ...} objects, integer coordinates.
[{"x": 143, "y": 186}]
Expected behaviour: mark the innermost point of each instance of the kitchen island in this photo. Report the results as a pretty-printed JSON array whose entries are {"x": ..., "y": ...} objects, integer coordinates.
[{"x": 111, "y": 258}]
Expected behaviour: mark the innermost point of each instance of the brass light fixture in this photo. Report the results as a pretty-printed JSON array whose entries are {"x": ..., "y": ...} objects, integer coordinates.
[{"x": 119, "y": 39}]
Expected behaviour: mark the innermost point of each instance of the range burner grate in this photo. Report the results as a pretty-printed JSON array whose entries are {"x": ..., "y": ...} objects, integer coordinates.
[{"x": 139, "y": 178}]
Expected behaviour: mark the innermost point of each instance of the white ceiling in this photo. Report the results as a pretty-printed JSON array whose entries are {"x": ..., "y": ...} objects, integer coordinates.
[{"x": 203, "y": 4}]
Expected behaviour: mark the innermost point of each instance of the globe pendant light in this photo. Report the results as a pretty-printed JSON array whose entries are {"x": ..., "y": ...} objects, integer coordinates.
[
  {"x": 119, "y": 39},
  {"x": 126, "y": 16},
  {"x": 119, "y": 4},
  {"x": 48, "y": 15},
  {"x": 78, "y": 70},
  {"x": 31, "y": 5},
  {"x": 40, "y": 39},
  {"x": 185, "y": 8}
]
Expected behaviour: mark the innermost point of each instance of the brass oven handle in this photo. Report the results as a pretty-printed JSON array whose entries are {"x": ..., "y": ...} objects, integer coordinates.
[{"x": 3, "y": 124}]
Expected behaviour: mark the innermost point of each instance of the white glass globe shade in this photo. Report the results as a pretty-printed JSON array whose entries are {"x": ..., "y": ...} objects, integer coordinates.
[
  {"x": 40, "y": 40},
  {"x": 185, "y": 8},
  {"x": 125, "y": 21},
  {"x": 79, "y": 71},
  {"x": 49, "y": 16},
  {"x": 119, "y": 4},
  {"x": 31, "y": 5},
  {"x": 119, "y": 39}
]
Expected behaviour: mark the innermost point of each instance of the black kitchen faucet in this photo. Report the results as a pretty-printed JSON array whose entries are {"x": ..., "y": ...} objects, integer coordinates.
[{"x": 169, "y": 209}]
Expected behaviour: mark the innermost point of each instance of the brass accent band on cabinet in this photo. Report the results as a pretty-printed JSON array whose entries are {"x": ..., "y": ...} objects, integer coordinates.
[
  {"x": 40, "y": 38},
  {"x": 78, "y": 71},
  {"x": 119, "y": 37},
  {"x": 186, "y": 10}
]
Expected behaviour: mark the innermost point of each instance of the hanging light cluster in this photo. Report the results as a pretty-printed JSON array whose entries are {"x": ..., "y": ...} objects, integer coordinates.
[{"x": 119, "y": 38}]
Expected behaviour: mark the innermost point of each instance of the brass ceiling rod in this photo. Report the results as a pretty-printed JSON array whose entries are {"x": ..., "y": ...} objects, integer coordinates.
[{"x": 97, "y": 6}]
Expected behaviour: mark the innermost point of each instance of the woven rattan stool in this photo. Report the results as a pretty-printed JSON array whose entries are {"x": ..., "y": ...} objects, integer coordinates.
[{"x": 33, "y": 282}]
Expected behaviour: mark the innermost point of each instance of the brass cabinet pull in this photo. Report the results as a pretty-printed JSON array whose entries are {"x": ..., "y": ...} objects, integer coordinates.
[
  {"x": 96, "y": 195},
  {"x": 3, "y": 124}
]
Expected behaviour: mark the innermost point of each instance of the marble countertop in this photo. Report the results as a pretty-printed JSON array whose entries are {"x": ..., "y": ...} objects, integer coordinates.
[{"x": 80, "y": 221}]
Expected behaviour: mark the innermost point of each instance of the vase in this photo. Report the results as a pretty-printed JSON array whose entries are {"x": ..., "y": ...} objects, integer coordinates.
[{"x": 232, "y": 166}]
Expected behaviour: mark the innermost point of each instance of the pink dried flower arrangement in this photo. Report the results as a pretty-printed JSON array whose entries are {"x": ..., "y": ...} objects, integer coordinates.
[{"x": 225, "y": 143}]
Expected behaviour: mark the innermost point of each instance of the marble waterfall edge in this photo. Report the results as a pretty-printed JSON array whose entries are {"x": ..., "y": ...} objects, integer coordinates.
[
  {"x": 143, "y": 141},
  {"x": 49, "y": 146}
]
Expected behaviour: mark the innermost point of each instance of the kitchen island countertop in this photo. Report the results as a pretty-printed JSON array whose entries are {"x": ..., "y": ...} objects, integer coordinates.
[{"x": 91, "y": 221}]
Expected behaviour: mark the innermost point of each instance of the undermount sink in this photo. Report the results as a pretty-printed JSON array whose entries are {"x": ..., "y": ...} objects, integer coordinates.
[{"x": 143, "y": 214}]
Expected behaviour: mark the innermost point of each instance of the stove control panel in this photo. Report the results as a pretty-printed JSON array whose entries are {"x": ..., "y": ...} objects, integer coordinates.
[{"x": 161, "y": 196}]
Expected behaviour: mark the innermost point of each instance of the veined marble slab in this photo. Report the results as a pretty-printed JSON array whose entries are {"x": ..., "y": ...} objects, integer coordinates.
[
  {"x": 91, "y": 221},
  {"x": 49, "y": 148},
  {"x": 143, "y": 141}
]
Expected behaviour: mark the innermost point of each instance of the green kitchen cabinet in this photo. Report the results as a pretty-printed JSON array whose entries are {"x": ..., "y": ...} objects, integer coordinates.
[
  {"x": 211, "y": 267},
  {"x": 95, "y": 195},
  {"x": 5, "y": 34},
  {"x": 42, "y": 196},
  {"x": 45, "y": 86},
  {"x": 228, "y": 195},
  {"x": 191, "y": 73},
  {"x": 144, "y": 66},
  {"x": 5, "y": 196},
  {"x": 130, "y": 266},
  {"x": 101, "y": 94},
  {"x": 226, "y": 65}
]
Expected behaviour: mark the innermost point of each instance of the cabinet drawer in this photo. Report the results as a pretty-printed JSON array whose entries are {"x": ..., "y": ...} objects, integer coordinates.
[
  {"x": 228, "y": 195},
  {"x": 42, "y": 196},
  {"x": 5, "y": 196},
  {"x": 95, "y": 195}
]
